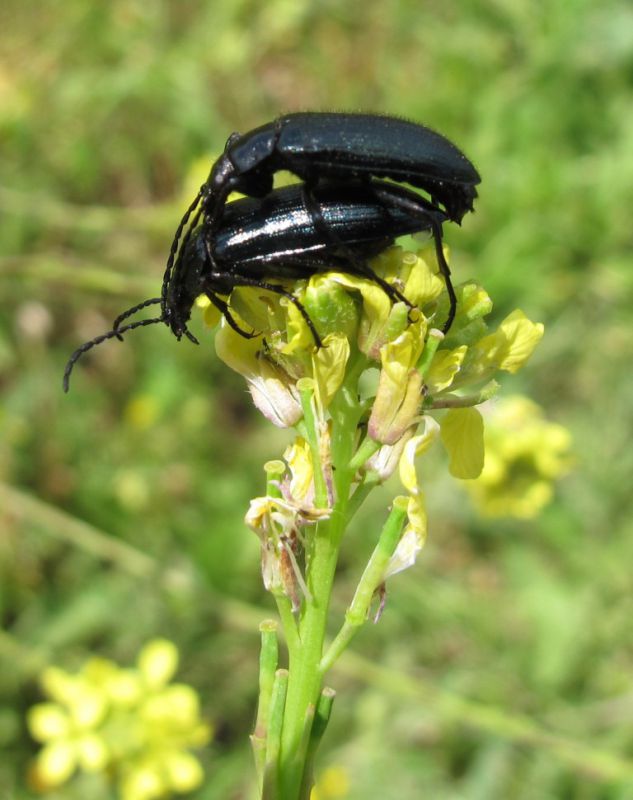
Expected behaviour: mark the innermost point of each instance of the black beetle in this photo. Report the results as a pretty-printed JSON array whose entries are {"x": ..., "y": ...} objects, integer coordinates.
[
  {"x": 342, "y": 146},
  {"x": 278, "y": 238}
]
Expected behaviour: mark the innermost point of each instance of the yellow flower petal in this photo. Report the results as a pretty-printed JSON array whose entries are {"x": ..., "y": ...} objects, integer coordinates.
[
  {"x": 299, "y": 459},
  {"x": 184, "y": 772},
  {"x": 331, "y": 784},
  {"x": 328, "y": 368},
  {"x": 473, "y": 302},
  {"x": 414, "y": 448},
  {"x": 48, "y": 721},
  {"x": 238, "y": 353},
  {"x": 273, "y": 391},
  {"x": 158, "y": 662},
  {"x": 144, "y": 782},
  {"x": 59, "y": 685},
  {"x": 399, "y": 389},
  {"x": 211, "y": 315},
  {"x": 422, "y": 285},
  {"x": 412, "y": 539},
  {"x": 125, "y": 688},
  {"x": 257, "y": 309},
  {"x": 512, "y": 344},
  {"x": 462, "y": 432},
  {"x": 445, "y": 365},
  {"x": 376, "y": 304},
  {"x": 178, "y": 705},
  {"x": 92, "y": 753},
  {"x": 89, "y": 708},
  {"x": 300, "y": 338},
  {"x": 55, "y": 763},
  {"x": 381, "y": 320}
]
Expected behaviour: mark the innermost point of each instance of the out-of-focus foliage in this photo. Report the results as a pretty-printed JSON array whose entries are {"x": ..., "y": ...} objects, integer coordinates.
[{"x": 121, "y": 504}]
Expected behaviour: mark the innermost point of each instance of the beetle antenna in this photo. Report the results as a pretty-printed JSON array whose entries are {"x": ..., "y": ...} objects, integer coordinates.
[
  {"x": 174, "y": 246},
  {"x": 113, "y": 334},
  {"x": 176, "y": 266},
  {"x": 117, "y": 322}
]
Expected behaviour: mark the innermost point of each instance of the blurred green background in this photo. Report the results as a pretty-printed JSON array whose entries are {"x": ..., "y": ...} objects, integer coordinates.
[{"x": 502, "y": 667}]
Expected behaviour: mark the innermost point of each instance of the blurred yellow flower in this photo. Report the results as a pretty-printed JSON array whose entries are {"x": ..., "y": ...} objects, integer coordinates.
[
  {"x": 131, "y": 725},
  {"x": 525, "y": 454},
  {"x": 332, "y": 784}
]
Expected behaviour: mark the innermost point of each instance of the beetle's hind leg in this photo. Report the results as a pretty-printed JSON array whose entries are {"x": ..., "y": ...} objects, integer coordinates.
[
  {"x": 446, "y": 274},
  {"x": 361, "y": 267},
  {"x": 430, "y": 217}
]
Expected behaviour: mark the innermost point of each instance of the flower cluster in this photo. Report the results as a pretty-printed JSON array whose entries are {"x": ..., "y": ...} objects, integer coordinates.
[
  {"x": 386, "y": 373},
  {"x": 130, "y": 725},
  {"x": 525, "y": 454}
]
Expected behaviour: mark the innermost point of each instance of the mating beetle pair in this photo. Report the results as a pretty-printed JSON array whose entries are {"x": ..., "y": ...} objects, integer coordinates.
[{"x": 340, "y": 215}]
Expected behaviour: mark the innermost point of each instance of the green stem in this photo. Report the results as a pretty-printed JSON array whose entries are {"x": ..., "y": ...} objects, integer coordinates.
[
  {"x": 268, "y": 659},
  {"x": 288, "y": 621},
  {"x": 370, "y": 481},
  {"x": 273, "y": 739},
  {"x": 322, "y": 717},
  {"x": 371, "y": 579},
  {"x": 304, "y": 684},
  {"x": 364, "y": 452}
]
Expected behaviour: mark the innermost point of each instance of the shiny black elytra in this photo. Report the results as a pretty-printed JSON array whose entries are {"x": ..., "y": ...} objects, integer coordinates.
[
  {"x": 291, "y": 235},
  {"x": 336, "y": 146},
  {"x": 286, "y": 236}
]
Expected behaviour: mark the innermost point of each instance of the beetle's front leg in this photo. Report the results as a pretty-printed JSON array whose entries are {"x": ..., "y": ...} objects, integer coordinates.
[
  {"x": 273, "y": 287},
  {"x": 223, "y": 308}
]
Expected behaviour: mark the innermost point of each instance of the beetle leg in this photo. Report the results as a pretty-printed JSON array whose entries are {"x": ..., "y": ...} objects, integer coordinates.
[
  {"x": 273, "y": 287},
  {"x": 445, "y": 270},
  {"x": 314, "y": 209},
  {"x": 223, "y": 308},
  {"x": 411, "y": 207}
]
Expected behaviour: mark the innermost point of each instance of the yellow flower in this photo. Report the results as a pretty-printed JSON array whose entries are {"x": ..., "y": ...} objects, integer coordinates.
[
  {"x": 69, "y": 729},
  {"x": 399, "y": 393},
  {"x": 131, "y": 725},
  {"x": 332, "y": 784},
  {"x": 420, "y": 372},
  {"x": 525, "y": 454},
  {"x": 273, "y": 389},
  {"x": 507, "y": 349}
]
